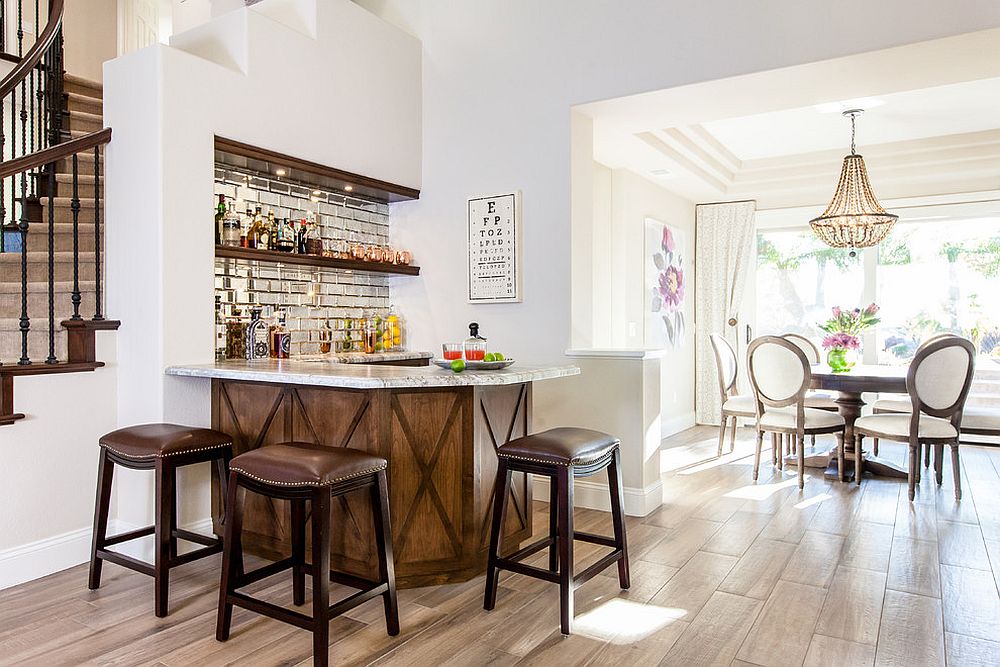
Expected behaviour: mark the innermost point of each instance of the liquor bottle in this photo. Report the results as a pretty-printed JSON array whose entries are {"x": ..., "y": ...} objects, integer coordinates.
[
  {"x": 220, "y": 330},
  {"x": 272, "y": 230},
  {"x": 314, "y": 242},
  {"x": 285, "y": 239},
  {"x": 245, "y": 225},
  {"x": 257, "y": 339},
  {"x": 281, "y": 340},
  {"x": 300, "y": 240},
  {"x": 236, "y": 336},
  {"x": 325, "y": 337},
  {"x": 264, "y": 233},
  {"x": 231, "y": 228},
  {"x": 370, "y": 338},
  {"x": 220, "y": 215}
]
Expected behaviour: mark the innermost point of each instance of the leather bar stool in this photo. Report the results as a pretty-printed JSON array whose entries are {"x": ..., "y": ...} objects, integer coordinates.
[
  {"x": 301, "y": 472},
  {"x": 162, "y": 448},
  {"x": 561, "y": 454}
]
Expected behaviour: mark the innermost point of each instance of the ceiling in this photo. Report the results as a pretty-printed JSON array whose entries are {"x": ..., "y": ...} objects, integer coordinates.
[{"x": 931, "y": 126}]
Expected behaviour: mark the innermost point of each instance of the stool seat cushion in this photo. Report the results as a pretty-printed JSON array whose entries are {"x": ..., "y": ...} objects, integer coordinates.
[
  {"x": 148, "y": 441},
  {"x": 305, "y": 464},
  {"x": 561, "y": 446}
]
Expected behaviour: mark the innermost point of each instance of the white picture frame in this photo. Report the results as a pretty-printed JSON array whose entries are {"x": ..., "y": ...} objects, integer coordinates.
[{"x": 493, "y": 235}]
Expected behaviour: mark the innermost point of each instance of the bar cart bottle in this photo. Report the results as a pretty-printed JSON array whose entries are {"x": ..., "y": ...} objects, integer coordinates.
[{"x": 475, "y": 345}]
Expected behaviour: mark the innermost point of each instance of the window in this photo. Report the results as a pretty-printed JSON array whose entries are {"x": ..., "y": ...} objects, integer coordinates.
[{"x": 938, "y": 275}]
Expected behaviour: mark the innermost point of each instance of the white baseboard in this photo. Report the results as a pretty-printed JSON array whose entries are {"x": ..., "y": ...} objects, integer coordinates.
[
  {"x": 54, "y": 554},
  {"x": 669, "y": 427},
  {"x": 595, "y": 495}
]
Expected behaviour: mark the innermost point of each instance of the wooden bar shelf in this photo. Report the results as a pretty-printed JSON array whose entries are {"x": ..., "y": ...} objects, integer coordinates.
[{"x": 254, "y": 255}]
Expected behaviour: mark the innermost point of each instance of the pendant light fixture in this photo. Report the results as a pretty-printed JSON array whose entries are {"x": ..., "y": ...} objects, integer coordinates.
[{"x": 855, "y": 218}]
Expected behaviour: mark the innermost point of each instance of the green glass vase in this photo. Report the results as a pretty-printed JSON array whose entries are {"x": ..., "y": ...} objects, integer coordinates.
[{"x": 840, "y": 360}]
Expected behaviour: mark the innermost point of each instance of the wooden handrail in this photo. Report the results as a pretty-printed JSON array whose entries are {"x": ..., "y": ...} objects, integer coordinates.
[
  {"x": 66, "y": 149},
  {"x": 38, "y": 49}
]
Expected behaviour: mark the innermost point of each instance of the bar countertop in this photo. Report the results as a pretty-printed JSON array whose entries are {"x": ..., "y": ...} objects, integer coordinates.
[{"x": 365, "y": 376}]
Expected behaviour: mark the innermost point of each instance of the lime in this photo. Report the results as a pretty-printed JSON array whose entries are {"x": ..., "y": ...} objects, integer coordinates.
[
  {"x": 458, "y": 365},
  {"x": 497, "y": 356},
  {"x": 490, "y": 357}
]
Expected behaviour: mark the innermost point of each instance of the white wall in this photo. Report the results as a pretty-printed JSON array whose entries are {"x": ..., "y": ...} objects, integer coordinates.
[
  {"x": 90, "y": 30},
  {"x": 326, "y": 82}
]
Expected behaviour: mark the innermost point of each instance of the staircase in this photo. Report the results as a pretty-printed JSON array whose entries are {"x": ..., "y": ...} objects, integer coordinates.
[
  {"x": 82, "y": 109},
  {"x": 51, "y": 208}
]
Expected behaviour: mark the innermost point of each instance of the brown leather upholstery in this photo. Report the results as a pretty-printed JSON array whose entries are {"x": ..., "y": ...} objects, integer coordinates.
[
  {"x": 148, "y": 441},
  {"x": 561, "y": 446},
  {"x": 305, "y": 464}
]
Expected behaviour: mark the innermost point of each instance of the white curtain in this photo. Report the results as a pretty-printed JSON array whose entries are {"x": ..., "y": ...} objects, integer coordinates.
[{"x": 724, "y": 256}]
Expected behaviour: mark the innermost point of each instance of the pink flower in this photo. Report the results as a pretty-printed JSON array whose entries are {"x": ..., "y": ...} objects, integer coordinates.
[
  {"x": 668, "y": 242},
  {"x": 836, "y": 311},
  {"x": 841, "y": 341},
  {"x": 871, "y": 309},
  {"x": 671, "y": 287}
]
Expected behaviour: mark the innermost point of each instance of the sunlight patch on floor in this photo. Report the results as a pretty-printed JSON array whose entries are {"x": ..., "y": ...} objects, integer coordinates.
[
  {"x": 622, "y": 621},
  {"x": 761, "y": 491},
  {"x": 812, "y": 501}
]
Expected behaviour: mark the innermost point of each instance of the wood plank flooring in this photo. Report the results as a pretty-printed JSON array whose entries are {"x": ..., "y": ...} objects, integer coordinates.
[{"x": 726, "y": 572}]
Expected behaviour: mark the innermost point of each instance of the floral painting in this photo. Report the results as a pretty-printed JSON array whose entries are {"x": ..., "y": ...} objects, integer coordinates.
[{"x": 666, "y": 285}]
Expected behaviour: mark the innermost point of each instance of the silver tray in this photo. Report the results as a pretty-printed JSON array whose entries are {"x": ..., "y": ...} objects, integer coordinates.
[{"x": 476, "y": 365}]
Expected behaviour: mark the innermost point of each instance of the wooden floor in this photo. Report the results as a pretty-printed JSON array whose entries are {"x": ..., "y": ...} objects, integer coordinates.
[{"x": 725, "y": 573}]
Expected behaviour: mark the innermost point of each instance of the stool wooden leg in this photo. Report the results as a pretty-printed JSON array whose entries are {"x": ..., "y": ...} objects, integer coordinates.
[
  {"x": 383, "y": 539},
  {"x": 298, "y": 551},
  {"x": 172, "y": 535},
  {"x": 875, "y": 446},
  {"x": 321, "y": 576},
  {"x": 231, "y": 554},
  {"x": 105, "y": 475},
  {"x": 553, "y": 526},
  {"x": 222, "y": 468},
  {"x": 501, "y": 488},
  {"x": 564, "y": 478},
  {"x": 618, "y": 517},
  {"x": 165, "y": 475}
]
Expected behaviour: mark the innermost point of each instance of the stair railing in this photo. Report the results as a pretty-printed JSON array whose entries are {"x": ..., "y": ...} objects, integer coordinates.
[{"x": 31, "y": 99}]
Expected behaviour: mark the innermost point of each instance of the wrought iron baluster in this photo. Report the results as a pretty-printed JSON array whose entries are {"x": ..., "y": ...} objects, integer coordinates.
[
  {"x": 75, "y": 207},
  {"x": 99, "y": 311},
  {"x": 25, "y": 322},
  {"x": 20, "y": 28},
  {"x": 51, "y": 169}
]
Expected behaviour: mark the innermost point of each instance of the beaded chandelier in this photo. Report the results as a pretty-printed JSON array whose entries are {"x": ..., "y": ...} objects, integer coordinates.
[{"x": 854, "y": 219}]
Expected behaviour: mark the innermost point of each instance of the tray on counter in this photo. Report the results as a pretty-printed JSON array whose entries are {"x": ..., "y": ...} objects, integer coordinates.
[{"x": 476, "y": 365}]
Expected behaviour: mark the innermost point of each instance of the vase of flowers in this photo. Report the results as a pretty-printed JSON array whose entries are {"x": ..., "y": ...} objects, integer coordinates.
[{"x": 843, "y": 335}]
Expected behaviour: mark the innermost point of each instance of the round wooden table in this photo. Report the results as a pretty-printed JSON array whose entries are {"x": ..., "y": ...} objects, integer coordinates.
[{"x": 850, "y": 386}]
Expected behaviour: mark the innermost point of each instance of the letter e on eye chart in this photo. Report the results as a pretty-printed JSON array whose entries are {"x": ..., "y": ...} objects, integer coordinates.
[{"x": 494, "y": 249}]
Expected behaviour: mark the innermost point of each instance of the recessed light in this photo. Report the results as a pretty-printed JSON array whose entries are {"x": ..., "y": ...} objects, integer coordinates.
[
  {"x": 844, "y": 105},
  {"x": 317, "y": 193},
  {"x": 348, "y": 187},
  {"x": 660, "y": 172},
  {"x": 279, "y": 172}
]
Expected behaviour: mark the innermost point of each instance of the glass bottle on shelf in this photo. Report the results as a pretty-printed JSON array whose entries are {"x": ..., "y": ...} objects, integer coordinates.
[
  {"x": 220, "y": 330},
  {"x": 371, "y": 335},
  {"x": 314, "y": 242},
  {"x": 220, "y": 215},
  {"x": 394, "y": 325},
  {"x": 300, "y": 238},
  {"x": 236, "y": 336},
  {"x": 257, "y": 344},
  {"x": 325, "y": 337},
  {"x": 231, "y": 227},
  {"x": 258, "y": 234},
  {"x": 474, "y": 345},
  {"x": 245, "y": 228},
  {"x": 281, "y": 340}
]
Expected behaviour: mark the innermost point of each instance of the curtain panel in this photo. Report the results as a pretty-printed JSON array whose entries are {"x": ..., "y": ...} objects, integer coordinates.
[{"x": 724, "y": 256}]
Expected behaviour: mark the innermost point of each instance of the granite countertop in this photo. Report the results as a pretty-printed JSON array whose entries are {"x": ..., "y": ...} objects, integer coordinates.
[
  {"x": 365, "y": 376},
  {"x": 362, "y": 358}
]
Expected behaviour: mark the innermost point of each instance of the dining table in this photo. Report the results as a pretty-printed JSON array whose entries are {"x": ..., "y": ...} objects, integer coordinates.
[{"x": 850, "y": 386}]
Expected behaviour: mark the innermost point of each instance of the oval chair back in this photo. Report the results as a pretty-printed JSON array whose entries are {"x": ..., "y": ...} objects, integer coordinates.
[
  {"x": 779, "y": 373},
  {"x": 807, "y": 346},
  {"x": 726, "y": 363},
  {"x": 940, "y": 377}
]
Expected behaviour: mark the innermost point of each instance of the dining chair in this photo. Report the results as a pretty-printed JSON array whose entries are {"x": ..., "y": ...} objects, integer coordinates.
[
  {"x": 780, "y": 376},
  {"x": 734, "y": 405},
  {"x": 814, "y": 399},
  {"x": 938, "y": 383}
]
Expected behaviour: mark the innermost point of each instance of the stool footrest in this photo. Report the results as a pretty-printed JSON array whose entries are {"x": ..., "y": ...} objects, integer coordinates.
[
  {"x": 528, "y": 570},
  {"x": 263, "y": 572},
  {"x": 272, "y": 610},
  {"x": 196, "y": 538},
  {"x": 195, "y": 554},
  {"x": 126, "y": 561},
  {"x": 596, "y": 568},
  {"x": 532, "y": 548},
  {"x": 603, "y": 540},
  {"x": 352, "y": 601},
  {"x": 344, "y": 578},
  {"x": 130, "y": 535}
]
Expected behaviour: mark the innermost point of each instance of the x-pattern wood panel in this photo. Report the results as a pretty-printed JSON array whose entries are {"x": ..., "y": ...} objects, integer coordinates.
[
  {"x": 516, "y": 500},
  {"x": 427, "y": 467}
]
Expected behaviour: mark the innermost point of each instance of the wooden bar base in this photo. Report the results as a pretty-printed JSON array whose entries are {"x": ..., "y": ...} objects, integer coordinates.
[{"x": 442, "y": 464}]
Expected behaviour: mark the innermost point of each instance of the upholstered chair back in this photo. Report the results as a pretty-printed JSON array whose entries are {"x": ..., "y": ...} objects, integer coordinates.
[
  {"x": 940, "y": 376},
  {"x": 779, "y": 372},
  {"x": 725, "y": 361},
  {"x": 807, "y": 346}
]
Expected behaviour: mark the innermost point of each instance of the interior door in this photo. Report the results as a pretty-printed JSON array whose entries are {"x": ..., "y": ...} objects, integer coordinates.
[{"x": 138, "y": 24}]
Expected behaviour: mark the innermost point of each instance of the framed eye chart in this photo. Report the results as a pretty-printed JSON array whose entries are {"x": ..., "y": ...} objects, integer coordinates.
[{"x": 495, "y": 249}]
